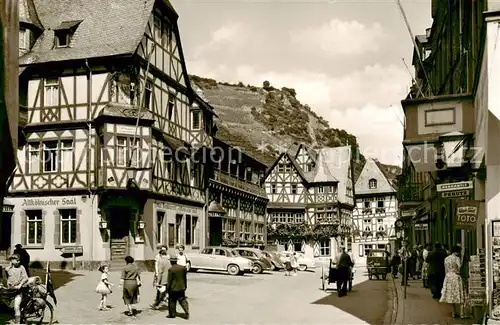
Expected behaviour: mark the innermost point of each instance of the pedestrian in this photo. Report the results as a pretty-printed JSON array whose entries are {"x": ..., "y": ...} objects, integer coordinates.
[
  {"x": 425, "y": 265},
  {"x": 162, "y": 269},
  {"x": 405, "y": 255},
  {"x": 343, "y": 267},
  {"x": 436, "y": 270},
  {"x": 182, "y": 258},
  {"x": 130, "y": 282},
  {"x": 24, "y": 256},
  {"x": 104, "y": 288},
  {"x": 452, "y": 292},
  {"x": 294, "y": 263},
  {"x": 157, "y": 260},
  {"x": 176, "y": 289},
  {"x": 395, "y": 262}
]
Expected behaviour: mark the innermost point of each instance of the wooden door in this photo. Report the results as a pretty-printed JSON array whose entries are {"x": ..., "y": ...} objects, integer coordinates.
[
  {"x": 119, "y": 223},
  {"x": 5, "y": 234}
]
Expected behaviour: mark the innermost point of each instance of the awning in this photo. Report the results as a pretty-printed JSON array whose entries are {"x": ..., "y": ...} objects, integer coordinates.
[{"x": 216, "y": 210}]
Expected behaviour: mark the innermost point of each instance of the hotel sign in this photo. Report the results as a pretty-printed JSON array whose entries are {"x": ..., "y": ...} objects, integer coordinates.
[
  {"x": 459, "y": 186},
  {"x": 44, "y": 202}
]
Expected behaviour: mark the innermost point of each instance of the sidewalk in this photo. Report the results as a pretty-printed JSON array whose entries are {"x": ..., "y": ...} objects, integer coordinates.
[{"x": 419, "y": 307}]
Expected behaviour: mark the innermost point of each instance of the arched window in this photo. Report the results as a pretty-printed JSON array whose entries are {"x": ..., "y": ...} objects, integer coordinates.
[{"x": 372, "y": 183}]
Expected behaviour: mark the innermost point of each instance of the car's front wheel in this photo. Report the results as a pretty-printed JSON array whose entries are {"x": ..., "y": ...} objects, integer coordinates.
[
  {"x": 302, "y": 267},
  {"x": 233, "y": 269},
  {"x": 257, "y": 269}
]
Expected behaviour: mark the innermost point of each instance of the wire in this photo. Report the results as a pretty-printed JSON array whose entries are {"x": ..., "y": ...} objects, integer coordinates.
[{"x": 412, "y": 78}]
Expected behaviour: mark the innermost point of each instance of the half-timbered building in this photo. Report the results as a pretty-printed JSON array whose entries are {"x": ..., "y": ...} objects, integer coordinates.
[
  {"x": 115, "y": 160},
  {"x": 311, "y": 187},
  {"x": 238, "y": 202},
  {"x": 375, "y": 212}
]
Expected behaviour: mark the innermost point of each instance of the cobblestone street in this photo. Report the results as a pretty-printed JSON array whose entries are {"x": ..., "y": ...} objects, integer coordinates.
[{"x": 269, "y": 298}]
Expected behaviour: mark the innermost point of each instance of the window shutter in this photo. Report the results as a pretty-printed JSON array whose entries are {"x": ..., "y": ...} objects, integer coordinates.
[
  {"x": 57, "y": 228},
  {"x": 44, "y": 216},
  {"x": 24, "y": 240},
  {"x": 78, "y": 234}
]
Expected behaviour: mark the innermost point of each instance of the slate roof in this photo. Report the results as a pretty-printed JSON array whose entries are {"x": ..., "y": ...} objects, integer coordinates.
[
  {"x": 339, "y": 163},
  {"x": 108, "y": 28},
  {"x": 322, "y": 173},
  {"x": 371, "y": 170}
]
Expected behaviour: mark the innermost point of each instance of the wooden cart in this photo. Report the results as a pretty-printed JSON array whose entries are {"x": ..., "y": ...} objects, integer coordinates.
[{"x": 329, "y": 276}]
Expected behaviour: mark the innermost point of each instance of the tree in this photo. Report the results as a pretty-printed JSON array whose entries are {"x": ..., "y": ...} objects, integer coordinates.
[{"x": 266, "y": 85}]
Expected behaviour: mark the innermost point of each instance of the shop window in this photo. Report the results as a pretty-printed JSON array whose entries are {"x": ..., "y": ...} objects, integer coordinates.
[
  {"x": 160, "y": 219},
  {"x": 68, "y": 226},
  {"x": 34, "y": 227},
  {"x": 324, "y": 248}
]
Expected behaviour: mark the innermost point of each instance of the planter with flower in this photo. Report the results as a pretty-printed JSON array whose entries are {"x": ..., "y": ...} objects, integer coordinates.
[
  {"x": 381, "y": 234},
  {"x": 229, "y": 242}
]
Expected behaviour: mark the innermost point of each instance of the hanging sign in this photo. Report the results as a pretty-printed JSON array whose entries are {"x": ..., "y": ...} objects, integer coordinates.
[
  {"x": 467, "y": 213},
  {"x": 454, "y": 186},
  {"x": 455, "y": 194}
]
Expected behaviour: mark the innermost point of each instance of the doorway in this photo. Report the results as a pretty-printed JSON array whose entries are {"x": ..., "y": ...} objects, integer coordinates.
[
  {"x": 215, "y": 228},
  {"x": 119, "y": 233},
  {"x": 5, "y": 234}
]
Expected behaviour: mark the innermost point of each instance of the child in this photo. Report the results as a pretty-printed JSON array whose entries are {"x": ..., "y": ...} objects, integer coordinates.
[
  {"x": 104, "y": 287},
  {"x": 294, "y": 263}
]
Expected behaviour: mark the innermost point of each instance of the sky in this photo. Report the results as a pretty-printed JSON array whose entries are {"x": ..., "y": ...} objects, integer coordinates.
[{"x": 343, "y": 57}]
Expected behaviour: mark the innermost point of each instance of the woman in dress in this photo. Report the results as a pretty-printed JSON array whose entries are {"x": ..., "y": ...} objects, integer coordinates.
[
  {"x": 452, "y": 292},
  {"x": 130, "y": 281},
  {"x": 425, "y": 265}
]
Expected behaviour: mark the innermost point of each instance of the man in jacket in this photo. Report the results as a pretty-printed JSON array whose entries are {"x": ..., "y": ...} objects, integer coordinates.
[
  {"x": 343, "y": 268},
  {"x": 162, "y": 266},
  {"x": 436, "y": 271},
  {"x": 176, "y": 288}
]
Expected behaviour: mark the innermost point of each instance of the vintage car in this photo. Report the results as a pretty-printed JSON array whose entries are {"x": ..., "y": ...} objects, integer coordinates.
[
  {"x": 260, "y": 261},
  {"x": 304, "y": 262},
  {"x": 219, "y": 259},
  {"x": 277, "y": 264}
]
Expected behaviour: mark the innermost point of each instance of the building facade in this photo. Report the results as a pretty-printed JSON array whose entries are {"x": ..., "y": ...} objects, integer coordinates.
[
  {"x": 311, "y": 200},
  {"x": 119, "y": 153},
  {"x": 375, "y": 212}
]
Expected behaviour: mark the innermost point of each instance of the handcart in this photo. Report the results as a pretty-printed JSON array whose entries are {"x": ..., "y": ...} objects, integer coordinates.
[{"x": 329, "y": 276}]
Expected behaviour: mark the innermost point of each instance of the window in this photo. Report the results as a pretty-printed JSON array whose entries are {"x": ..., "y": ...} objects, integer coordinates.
[
  {"x": 281, "y": 168},
  {"x": 68, "y": 226},
  {"x": 195, "y": 122},
  {"x": 324, "y": 248},
  {"x": 171, "y": 235},
  {"x": 360, "y": 250},
  {"x": 189, "y": 234},
  {"x": 178, "y": 223},
  {"x": 62, "y": 38},
  {"x": 51, "y": 93},
  {"x": 34, "y": 227},
  {"x": 320, "y": 189},
  {"x": 23, "y": 37},
  {"x": 367, "y": 204},
  {"x": 194, "y": 232},
  {"x": 121, "y": 149},
  {"x": 372, "y": 184},
  {"x": 160, "y": 218},
  {"x": 50, "y": 156},
  {"x": 330, "y": 189},
  {"x": 165, "y": 36},
  {"x": 135, "y": 153},
  {"x": 147, "y": 94},
  {"x": 171, "y": 105},
  {"x": 380, "y": 204},
  {"x": 273, "y": 188},
  {"x": 380, "y": 220},
  {"x": 294, "y": 189},
  {"x": 309, "y": 167},
  {"x": 220, "y": 252},
  {"x": 249, "y": 173},
  {"x": 34, "y": 157},
  {"x": 66, "y": 155},
  {"x": 207, "y": 251}
]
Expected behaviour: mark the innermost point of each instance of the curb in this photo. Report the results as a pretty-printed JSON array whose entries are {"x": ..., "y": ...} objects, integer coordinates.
[{"x": 392, "y": 313}]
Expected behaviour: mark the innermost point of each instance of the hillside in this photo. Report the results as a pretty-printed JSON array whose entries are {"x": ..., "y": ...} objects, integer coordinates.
[{"x": 262, "y": 120}]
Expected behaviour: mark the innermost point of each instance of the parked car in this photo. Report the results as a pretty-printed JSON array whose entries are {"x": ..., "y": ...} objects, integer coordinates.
[
  {"x": 303, "y": 261},
  {"x": 260, "y": 261},
  {"x": 275, "y": 260},
  {"x": 219, "y": 259}
]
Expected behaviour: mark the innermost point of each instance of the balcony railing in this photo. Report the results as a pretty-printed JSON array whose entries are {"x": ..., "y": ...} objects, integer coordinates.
[
  {"x": 410, "y": 193},
  {"x": 225, "y": 178}
]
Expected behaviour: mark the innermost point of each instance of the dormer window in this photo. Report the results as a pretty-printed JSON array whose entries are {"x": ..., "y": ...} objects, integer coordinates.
[
  {"x": 372, "y": 183},
  {"x": 23, "y": 39},
  {"x": 65, "y": 31}
]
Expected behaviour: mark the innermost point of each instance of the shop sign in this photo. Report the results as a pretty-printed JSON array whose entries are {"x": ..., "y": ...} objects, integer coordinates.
[
  {"x": 408, "y": 213},
  {"x": 421, "y": 226},
  {"x": 176, "y": 207},
  {"x": 7, "y": 208},
  {"x": 72, "y": 250},
  {"x": 467, "y": 214},
  {"x": 48, "y": 202},
  {"x": 455, "y": 194},
  {"x": 454, "y": 186}
]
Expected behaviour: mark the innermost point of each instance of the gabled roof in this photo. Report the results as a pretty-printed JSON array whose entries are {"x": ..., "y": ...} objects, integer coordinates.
[
  {"x": 322, "y": 173},
  {"x": 28, "y": 15},
  {"x": 371, "y": 170},
  {"x": 294, "y": 163},
  {"x": 339, "y": 161},
  {"x": 107, "y": 28}
]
